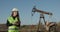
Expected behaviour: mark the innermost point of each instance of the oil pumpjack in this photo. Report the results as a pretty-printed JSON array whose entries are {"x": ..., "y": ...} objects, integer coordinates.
[{"x": 41, "y": 16}]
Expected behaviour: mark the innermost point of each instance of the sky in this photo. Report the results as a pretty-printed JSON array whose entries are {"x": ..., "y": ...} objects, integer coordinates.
[{"x": 25, "y": 8}]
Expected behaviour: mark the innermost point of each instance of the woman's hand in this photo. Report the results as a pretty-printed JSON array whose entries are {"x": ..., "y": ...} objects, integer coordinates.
[{"x": 16, "y": 23}]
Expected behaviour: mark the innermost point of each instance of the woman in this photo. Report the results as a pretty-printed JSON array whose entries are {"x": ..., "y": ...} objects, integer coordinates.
[{"x": 13, "y": 22}]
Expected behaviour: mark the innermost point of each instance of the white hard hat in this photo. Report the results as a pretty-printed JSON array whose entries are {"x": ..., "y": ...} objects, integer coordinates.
[{"x": 14, "y": 9}]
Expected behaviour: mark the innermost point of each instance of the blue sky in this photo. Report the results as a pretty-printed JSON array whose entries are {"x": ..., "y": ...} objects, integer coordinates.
[{"x": 25, "y": 8}]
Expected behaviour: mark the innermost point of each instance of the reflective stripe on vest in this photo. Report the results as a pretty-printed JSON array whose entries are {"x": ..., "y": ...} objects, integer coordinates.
[
  {"x": 13, "y": 28},
  {"x": 11, "y": 20}
]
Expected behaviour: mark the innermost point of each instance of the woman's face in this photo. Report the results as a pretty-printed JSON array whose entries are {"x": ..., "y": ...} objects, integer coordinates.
[{"x": 14, "y": 13}]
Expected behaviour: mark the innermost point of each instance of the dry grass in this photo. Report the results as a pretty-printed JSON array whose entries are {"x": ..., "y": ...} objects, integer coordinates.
[{"x": 27, "y": 28}]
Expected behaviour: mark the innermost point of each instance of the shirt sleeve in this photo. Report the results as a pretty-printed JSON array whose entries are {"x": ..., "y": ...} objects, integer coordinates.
[{"x": 8, "y": 24}]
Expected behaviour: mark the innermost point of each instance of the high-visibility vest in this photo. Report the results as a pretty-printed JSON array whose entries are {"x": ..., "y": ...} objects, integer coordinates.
[
  {"x": 11, "y": 20},
  {"x": 12, "y": 28}
]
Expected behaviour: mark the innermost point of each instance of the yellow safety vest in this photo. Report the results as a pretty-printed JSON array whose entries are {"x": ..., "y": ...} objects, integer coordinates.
[
  {"x": 11, "y": 20},
  {"x": 12, "y": 28}
]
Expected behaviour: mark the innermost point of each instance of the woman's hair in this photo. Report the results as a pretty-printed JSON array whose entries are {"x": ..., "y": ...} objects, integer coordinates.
[{"x": 16, "y": 15}]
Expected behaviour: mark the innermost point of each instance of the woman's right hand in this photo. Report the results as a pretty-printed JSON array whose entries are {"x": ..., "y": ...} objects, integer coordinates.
[{"x": 15, "y": 23}]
